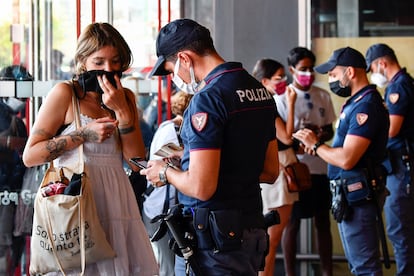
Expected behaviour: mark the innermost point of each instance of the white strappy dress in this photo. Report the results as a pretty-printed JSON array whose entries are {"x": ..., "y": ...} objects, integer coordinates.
[{"x": 117, "y": 209}]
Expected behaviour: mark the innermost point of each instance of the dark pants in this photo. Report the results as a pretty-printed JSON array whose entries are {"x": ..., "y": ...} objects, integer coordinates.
[{"x": 246, "y": 261}]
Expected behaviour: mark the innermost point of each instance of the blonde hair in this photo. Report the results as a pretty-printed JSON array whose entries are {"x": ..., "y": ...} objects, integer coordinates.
[
  {"x": 179, "y": 102},
  {"x": 94, "y": 37}
]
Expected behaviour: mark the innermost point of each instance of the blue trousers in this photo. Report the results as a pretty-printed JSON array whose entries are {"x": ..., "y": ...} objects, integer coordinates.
[
  {"x": 360, "y": 241},
  {"x": 399, "y": 217},
  {"x": 246, "y": 261}
]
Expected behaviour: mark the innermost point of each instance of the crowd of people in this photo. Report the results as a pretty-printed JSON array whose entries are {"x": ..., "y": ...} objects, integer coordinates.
[{"x": 214, "y": 174}]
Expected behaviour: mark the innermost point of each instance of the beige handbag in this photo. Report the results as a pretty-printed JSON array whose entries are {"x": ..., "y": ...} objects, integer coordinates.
[{"x": 60, "y": 221}]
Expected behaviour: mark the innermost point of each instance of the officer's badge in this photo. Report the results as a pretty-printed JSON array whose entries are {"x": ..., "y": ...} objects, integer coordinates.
[
  {"x": 361, "y": 118},
  {"x": 393, "y": 97},
  {"x": 199, "y": 120}
]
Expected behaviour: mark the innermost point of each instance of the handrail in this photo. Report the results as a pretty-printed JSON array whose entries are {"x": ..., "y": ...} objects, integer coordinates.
[{"x": 36, "y": 88}]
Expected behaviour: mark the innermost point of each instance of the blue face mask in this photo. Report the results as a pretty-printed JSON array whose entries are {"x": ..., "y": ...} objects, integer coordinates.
[{"x": 89, "y": 80}]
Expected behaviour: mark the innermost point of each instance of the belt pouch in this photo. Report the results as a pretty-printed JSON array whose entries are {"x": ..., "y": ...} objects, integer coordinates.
[
  {"x": 356, "y": 187},
  {"x": 202, "y": 230},
  {"x": 226, "y": 229}
]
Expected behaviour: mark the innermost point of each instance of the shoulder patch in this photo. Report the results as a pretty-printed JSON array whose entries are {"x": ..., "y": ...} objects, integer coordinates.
[
  {"x": 393, "y": 97},
  {"x": 199, "y": 120},
  {"x": 361, "y": 118}
]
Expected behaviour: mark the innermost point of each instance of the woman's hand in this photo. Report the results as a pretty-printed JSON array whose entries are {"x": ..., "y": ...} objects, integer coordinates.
[
  {"x": 99, "y": 130},
  {"x": 290, "y": 96},
  {"x": 113, "y": 97}
]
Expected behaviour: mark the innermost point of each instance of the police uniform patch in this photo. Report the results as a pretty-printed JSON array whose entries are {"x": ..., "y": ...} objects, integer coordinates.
[
  {"x": 393, "y": 97},
  {"x": 199, "y": 120},
  {"x": 361, "y": 118}
]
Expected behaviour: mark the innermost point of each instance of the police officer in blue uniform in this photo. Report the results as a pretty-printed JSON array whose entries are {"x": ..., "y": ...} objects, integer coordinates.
[
  {"x": 399, "y": 97},
  {"x": 230, "y": 147},
  {"x": 354, "y": 159}
]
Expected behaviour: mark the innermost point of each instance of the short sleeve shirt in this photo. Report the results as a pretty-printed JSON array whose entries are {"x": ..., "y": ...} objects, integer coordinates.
[
  {"x": 399, "y": 98},
  {"x": 233, "y": 112},
  {"x": 364, "y": 114}
]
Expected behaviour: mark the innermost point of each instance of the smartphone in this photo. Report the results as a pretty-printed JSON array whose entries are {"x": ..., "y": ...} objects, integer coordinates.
[{"x": 139, "y": 161}]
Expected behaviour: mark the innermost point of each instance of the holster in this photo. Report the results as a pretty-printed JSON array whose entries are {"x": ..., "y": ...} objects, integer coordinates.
[
  {"x": 339, "y": 208},
  {"x": 221, "y": 230},
  {"x": 395, "y": 157},
  {"x": 202, "y": 228}
]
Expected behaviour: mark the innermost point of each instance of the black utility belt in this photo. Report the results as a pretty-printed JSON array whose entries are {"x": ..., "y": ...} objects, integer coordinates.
[
  {"x": 399, "y": 153},
  {"x": 222, "y": 230},
  {"x": 355, "y": 186}
]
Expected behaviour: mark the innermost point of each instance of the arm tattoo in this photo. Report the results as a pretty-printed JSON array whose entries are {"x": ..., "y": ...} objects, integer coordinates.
[
  {"x": 55, "y": 148},
  {"x": 85, "y": 135},
  {"x": 127, "y": 130}
]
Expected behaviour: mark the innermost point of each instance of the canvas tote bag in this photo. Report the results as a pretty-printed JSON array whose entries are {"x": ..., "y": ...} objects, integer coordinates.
[{"x": 67, "y": 233}]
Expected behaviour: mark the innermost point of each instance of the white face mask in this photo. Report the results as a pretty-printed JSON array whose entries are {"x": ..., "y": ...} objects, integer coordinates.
[
  {"x": 379, "y": 79},
  {"x": 189, "y": 88}
]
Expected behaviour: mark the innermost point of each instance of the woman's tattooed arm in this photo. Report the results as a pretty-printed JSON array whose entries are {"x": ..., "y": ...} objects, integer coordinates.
[{"x": 56, "y": 146}]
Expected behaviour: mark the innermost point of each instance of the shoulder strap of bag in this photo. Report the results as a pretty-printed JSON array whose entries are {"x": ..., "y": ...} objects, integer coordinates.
[{"x": 76, "y": 113}]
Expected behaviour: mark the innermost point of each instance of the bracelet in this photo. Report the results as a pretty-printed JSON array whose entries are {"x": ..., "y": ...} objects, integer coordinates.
[
  {"x": 126, "y": 130},
  {"x": 317, "y": 145}
]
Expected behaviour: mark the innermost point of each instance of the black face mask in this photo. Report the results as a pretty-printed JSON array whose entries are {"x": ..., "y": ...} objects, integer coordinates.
[
  {"x": 337, "y": 88},
  {"x": 89, "y": 81}
]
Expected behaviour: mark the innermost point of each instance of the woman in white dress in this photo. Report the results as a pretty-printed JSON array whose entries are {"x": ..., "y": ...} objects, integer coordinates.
[
  {"x": 272, "y": 75},
  {"x": 109, "y": 133}
]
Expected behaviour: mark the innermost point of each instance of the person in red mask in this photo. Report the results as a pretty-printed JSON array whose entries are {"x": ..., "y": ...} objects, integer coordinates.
[
  {"x": 313, "y": 110},
  {"x": 276, "y": 197}
]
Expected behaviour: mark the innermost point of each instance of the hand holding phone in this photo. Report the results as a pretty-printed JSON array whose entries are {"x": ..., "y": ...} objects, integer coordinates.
[{"x": 139, "y": 161}]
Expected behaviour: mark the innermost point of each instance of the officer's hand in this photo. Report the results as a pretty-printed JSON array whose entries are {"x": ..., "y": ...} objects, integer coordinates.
[
  {"x": 152, "y": 172},
  {"x": 307, "y": 137}
]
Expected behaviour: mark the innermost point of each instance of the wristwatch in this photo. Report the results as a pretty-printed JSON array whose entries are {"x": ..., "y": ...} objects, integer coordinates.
[
  {"x": 162, "y": 174},
  {"x": 316, "y": 146}
]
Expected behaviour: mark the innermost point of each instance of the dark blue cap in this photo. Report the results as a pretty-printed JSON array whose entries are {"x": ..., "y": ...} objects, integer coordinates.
[
  {"x": 175, "y": 36},
  {"x": 343, "y": 57},
  {"x": 376, "y": 51}
]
